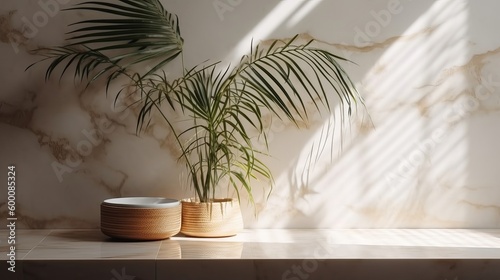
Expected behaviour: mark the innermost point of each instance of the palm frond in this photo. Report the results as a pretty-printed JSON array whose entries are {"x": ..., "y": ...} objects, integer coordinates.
[
  {"x": 287, "y": 79},
  {"x": 126, "y": 34},
  {"x": 287, "y": 75}
]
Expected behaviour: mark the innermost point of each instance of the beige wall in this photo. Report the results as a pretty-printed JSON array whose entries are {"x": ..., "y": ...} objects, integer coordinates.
[{"x": 428, "y": 70}]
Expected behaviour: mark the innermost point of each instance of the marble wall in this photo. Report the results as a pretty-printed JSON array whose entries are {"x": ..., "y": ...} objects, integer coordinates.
[{"x": 424, "y": 157}]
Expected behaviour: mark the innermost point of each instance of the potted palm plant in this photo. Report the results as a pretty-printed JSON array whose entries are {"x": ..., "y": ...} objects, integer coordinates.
[{"x": 223, "y": 106}]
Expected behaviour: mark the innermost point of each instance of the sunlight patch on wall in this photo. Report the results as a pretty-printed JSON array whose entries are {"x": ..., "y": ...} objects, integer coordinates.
[
  {"x": 414, "y": 91},
  {"x": 303, "y": 12},
  {"x": 273, "y": 20}
]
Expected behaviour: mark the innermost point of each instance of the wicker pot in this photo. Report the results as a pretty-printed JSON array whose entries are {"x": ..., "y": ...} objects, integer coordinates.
[
  {"x": 218, "y": 218},
  {"x": 140, "y": 218}
]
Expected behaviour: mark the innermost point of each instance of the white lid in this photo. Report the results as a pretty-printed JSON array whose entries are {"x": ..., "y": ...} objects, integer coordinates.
[{"x": 142, "y": 202}]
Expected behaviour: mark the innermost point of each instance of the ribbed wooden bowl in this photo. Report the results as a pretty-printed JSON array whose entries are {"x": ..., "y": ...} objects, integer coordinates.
[
  {"x": 218, "y": 218},
  {"x": 140, "y": 218}
]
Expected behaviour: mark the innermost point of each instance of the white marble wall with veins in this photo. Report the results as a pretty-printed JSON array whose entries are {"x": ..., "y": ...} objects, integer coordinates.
[{"x": 425, "y": 157}]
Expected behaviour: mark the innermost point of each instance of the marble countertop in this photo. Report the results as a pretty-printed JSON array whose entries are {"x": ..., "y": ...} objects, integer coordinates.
[
  {"x": 310, "y": 249},
  {"x": 263, "y": 244}
]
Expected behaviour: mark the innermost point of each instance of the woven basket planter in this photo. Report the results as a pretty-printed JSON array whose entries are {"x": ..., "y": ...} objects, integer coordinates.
[
  {"x": 140, "y": 218},
  {"x": 218, "y": 218}
]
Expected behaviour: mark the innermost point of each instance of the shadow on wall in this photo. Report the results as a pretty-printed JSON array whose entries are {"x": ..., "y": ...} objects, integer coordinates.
[
  {"x": 420, "y": 75},
  {"x": 482, "y": 118},
  {"x": 422, "y": 65}
]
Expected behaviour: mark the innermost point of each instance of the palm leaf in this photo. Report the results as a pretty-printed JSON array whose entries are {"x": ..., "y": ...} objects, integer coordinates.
[
  {"x": 278, "y": 77},
  {"x": 127, "y": 33},
  {"x": 281, "y": 78}
]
